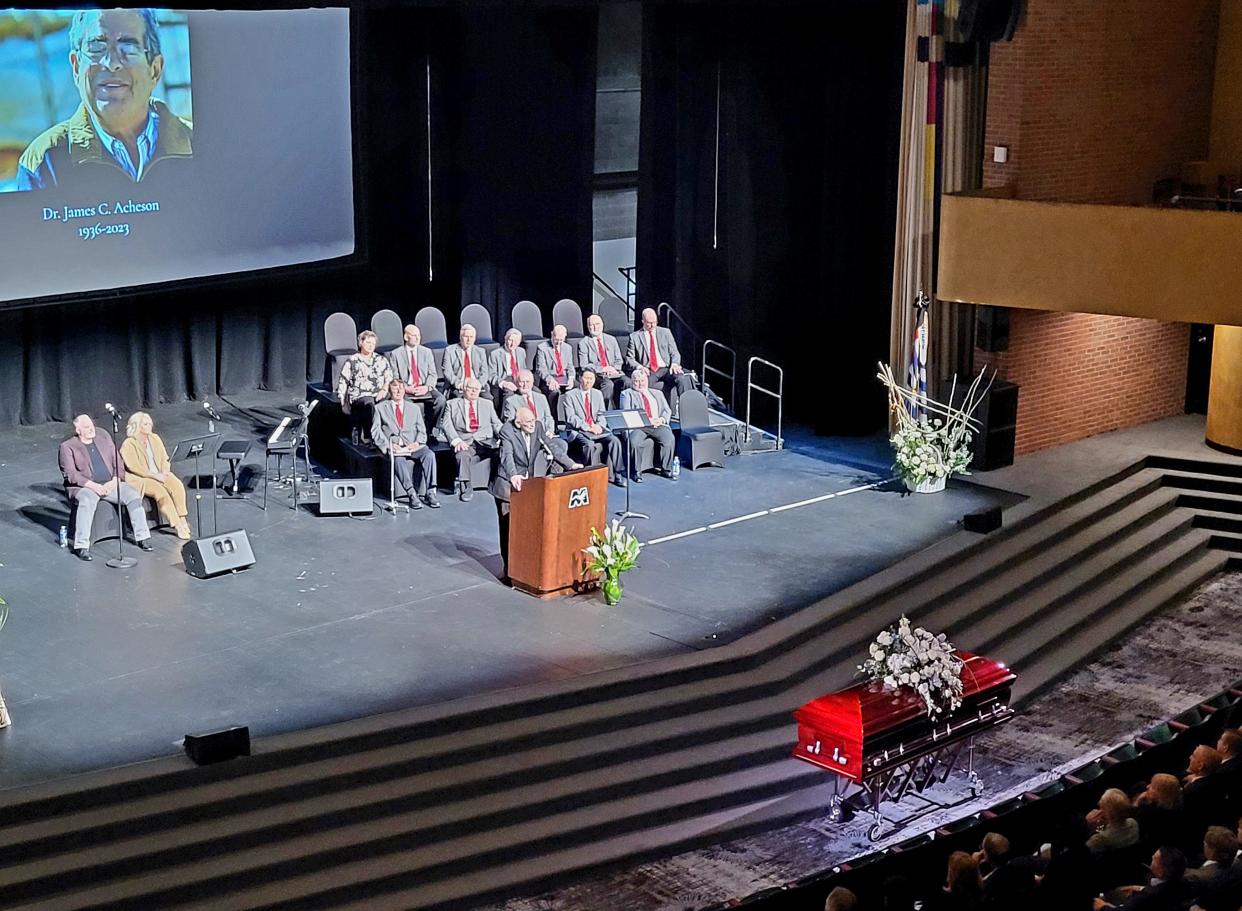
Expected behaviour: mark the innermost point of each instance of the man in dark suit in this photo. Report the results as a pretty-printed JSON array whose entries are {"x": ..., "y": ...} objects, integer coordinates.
[
  {"x": 600, "y": 352},
  {"x": 472, "y": 428},
  {"x": 651, "y": 402},
  {"x": 1167, "y": 890},
  {"x": 92, "y": 472},
  {"x": 589, "y": 436},
  {"x": 398, "y": 429},
  {"x": 524, "y": 453},
  {"x": 654, "y": 347},
  {"x": 415, "y": 365}
]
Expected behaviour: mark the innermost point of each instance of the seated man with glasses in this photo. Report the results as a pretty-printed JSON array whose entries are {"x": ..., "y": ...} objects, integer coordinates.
[{"x": 116, "y": 64}]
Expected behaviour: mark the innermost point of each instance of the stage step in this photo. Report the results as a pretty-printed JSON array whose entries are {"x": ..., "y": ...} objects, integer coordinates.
[{"x": 450, "y": 805}]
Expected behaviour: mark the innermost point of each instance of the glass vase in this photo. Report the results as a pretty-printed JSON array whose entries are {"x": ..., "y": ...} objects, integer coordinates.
[{"x": 610, "y": 585}]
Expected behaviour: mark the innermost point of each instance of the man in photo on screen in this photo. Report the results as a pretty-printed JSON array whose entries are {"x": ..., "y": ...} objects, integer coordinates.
[{"x": 116, "y": 63}]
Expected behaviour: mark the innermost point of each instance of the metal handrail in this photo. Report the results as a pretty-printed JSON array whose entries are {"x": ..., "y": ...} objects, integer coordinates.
[
  {"x": 778, "y": 394},
  {"x": 615, "y": 293},
  {"x": 731, "y": 375},
  {"x": 631, "y": 283},
  {"x": 666, "y": 307}
]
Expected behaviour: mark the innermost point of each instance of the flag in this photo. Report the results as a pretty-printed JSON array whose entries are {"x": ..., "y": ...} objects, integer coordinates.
[{"x": 916, "y": 373}]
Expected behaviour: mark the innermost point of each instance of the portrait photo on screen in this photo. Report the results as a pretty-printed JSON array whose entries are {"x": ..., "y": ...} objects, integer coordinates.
[{"x": 93, "y": 99}]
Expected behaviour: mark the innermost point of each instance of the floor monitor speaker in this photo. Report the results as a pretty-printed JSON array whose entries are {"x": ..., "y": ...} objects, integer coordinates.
[
  {"x": 982, "y": 520},
  {"x": 224, "y": 553},
  {"x": 218, "y": 746},
  {"x": 345, "y": 496}
]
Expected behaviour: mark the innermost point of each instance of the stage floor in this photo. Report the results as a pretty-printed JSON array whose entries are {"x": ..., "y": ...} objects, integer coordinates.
[{"x": 344, "y": 617}]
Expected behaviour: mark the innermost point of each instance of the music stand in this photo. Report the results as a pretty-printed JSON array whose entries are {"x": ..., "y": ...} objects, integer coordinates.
[
  {"x": 197, "y": 448},
  {"x": 622, "y": 422}
]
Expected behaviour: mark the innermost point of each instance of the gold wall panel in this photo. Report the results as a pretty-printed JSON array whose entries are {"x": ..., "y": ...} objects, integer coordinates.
[{"x": 1165, "y": 264}]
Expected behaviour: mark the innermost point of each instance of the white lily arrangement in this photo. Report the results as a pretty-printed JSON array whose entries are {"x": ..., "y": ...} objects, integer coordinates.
[
  {"x": 906, "y": 655},
  {"x": 932, "y": 439},
  {"x": 613, "y": 551}
]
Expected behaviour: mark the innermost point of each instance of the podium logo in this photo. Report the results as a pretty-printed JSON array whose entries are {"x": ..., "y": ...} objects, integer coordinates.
[{"x": 579, "y": 497}]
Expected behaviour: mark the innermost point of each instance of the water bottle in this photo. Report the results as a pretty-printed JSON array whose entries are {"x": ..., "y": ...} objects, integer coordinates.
[
  {"x": 676, "y": 468},
  {"x": 64, "y": 536},
  {"x": 354, "y": 436}
]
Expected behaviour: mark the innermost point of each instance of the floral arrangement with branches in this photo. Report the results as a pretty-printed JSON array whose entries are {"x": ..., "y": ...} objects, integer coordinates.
[
  {"x": 906, "y": 655},
  {"x": 932, "y": 439}
]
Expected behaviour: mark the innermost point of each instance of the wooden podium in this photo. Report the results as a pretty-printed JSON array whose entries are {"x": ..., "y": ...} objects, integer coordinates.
[{"x": 550, "y": 522}]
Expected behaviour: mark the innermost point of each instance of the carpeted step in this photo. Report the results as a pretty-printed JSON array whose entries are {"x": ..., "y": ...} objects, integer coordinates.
[{"x": 1067, "y": 652}]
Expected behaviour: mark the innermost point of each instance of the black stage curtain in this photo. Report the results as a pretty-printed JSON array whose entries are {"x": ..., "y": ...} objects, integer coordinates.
[
  {"x": 523, "y": 119},
  {"x": 802, "y": 214},
  {"x": 512, "y": 104}
]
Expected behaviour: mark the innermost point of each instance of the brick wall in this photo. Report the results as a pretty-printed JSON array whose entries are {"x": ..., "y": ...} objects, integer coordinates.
[{"x": 1097, "y": 101}]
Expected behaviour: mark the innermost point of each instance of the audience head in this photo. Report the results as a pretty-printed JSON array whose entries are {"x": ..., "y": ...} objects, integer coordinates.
[
  {"x": 367, "y": 340},
  {"x": 1164, "y": 791},
  {"x": 841, "y": 899},
  {"x": 525, "y": 419},
  {"x": 1115, "y": 806},
  {"x": 1168, "y": 864},
  {"x": 84, "y": 428},
  {"x": 1204, "y": 760},
  {"x": 963, "y": 874},
  {"x": 587, "y": 380},
  {"x": 1220, "y": 845},
  {"x": 139, "y": 422},
  {"x": 413, "y": 335},
  {"x": 513, "y": 338},
  {"x": 467, "y": 335},
  {"x": 1230, "y": 744},
  {"x": 649, "y": 319},
  {"x": 595, "y": 325},
  {"x": 994, "y": 849},
  {"x": 638, "y": 379},
  {"x": 558, "y": 334},
  {"x": 472, "y": 388},
  {"x": 525, "y": 381}
]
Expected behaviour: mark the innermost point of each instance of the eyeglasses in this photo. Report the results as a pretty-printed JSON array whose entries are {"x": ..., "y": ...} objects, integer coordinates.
[{"x": 126, "y": 50}]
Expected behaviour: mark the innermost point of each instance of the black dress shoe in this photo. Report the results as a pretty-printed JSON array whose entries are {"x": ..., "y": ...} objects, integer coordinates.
[
  {"x": 84, "y": 554},
  {"x": 431, "y": 500},
  {"x": 619, "y": 481},
  {"x": 145, "y": 544},
  {"x": 414, "y": 503},
  {"x": 638, "y": 477}
]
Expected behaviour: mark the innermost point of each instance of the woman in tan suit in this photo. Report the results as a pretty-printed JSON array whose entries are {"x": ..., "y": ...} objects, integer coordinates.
[{"x": 146, "y": 461}]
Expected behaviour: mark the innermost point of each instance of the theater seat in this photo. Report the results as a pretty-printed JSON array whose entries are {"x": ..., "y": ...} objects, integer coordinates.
[{"x": 698, "y": 443}]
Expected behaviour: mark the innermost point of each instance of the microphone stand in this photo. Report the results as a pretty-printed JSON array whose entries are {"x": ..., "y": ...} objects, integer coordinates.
[{"x": 120, "y": 561}]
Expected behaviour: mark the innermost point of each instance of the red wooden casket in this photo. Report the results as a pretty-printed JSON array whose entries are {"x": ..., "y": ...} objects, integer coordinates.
[{"x": 865, "y": 730}]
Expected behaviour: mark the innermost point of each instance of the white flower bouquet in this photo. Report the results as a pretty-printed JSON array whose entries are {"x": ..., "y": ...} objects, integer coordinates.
[
  {"x": 905, "y": 655},
  {"x": 612, "y": 552}
]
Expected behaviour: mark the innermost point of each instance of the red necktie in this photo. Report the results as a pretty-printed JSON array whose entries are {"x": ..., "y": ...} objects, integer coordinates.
[
  {"x": 652, "y": 351},
  {"x": 474, "y": 418},
  {"x": 513, "y": 367},
  {"x": 603, "y": 355},
  {"x": 590, "y": 413},
  {"x": 530, "y": 403},
  {"x": 560, "y": 366},
  {"x": 414, "y": 377},
  {"x": 647, "y": 405},
  {"x": 466, "y": 362},
  {"x": 400, "y": 419}
]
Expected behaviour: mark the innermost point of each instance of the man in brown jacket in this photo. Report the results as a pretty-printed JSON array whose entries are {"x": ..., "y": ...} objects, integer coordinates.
[{"x": 92, "y": 472}]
